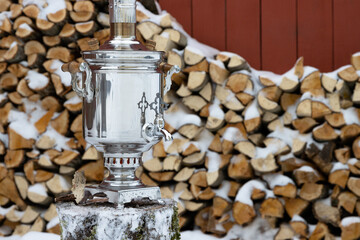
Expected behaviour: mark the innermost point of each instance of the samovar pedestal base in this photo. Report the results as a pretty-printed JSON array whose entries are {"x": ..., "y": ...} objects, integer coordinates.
[{"x": 125, "y": 194}]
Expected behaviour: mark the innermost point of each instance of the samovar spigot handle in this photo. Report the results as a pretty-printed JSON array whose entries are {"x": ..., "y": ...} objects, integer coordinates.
[
  {"x": 83, "y": 90},
  {"x": 156, "y": 129},
  {"x": 166, "y": 134}
]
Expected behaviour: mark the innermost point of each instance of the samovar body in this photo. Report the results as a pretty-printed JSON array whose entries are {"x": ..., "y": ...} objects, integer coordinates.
[
  {"x": 124, "y": 100},
  {"x": 122, "y": 86}
]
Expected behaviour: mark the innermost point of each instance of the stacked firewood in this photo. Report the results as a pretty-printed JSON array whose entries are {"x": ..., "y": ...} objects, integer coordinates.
[
  {"x": 246, "y": 143},
  {"x": 253, "y": 144}
]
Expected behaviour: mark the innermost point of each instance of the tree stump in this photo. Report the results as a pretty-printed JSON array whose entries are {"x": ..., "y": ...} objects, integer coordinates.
[{"x": 133, "y": 221}]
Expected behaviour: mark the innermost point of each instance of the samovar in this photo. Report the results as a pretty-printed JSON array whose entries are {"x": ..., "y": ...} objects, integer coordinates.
[{"x": 122, "y": 86}]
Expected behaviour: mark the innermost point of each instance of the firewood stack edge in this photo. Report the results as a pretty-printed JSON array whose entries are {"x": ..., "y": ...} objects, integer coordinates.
[{"x": 247, "y": 144}]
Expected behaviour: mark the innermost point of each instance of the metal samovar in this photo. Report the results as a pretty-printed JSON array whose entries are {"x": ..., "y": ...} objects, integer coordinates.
[{"x": 122, "y": 87}]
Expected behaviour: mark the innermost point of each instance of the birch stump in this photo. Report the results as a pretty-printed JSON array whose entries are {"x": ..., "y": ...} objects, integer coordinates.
[{"x": 131, "y": 222}]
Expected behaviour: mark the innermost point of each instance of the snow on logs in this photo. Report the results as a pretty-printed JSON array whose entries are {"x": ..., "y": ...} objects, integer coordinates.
[
  {"x": 247, "y": 143},
  {"x": 266, "y": 145}
]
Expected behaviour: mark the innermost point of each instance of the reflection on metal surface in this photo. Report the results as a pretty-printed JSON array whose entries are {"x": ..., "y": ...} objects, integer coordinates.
[{"x": 143, "y": 105}]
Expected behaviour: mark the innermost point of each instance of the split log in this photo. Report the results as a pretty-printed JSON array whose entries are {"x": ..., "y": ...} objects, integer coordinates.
[
  {"x": 348, "y": 74},
  {"x": 271, "y": 207},
  {"x": 8, "y": 189},
  {"x": 285, "y": 232},
  {"x": 22, "y": 185},
  {"x": 264, "y": 165},
  {"x": 8, "y": 81},
  {"x": 326, "y": 213},
  {"x": 192, "y": 56},
  {"x": 14, "y": 158},
  {"x": 350, "y": 228},
  {"x": 176, "y": 36},
  {"x": 148, "y": 29},
  {"x": 61, "y": 53},
  {"x": 37, "y": 194},
  {"x": 240, "y": 168},
  {"x": 347, "y": 201},
  {"x": 243, "y": 213},
  {"x": 197, "y": 81},
  {"x": 312, "y": 191},
  {"x": 86, "y": 28},
  {"x": 218, "y": 72},
  {"x": 59, "y": 184},
  {"x": 47, "y": 27},
  {"x": 353, "y": 184},
  {"x": 202, "y": 66}
]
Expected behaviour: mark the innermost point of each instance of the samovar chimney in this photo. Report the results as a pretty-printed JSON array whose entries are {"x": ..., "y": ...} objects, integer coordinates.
[{"x": 122, "y": 19}]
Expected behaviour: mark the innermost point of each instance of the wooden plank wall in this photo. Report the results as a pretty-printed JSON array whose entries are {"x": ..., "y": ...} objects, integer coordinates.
[{"x": 272, "y": 34}]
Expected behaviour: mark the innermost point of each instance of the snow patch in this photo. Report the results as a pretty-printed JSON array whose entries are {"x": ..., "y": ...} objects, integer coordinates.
[
  {"x": 64, "y": 76},
  {"x": 309, "y": 95},
  {"x": 350, "y": 116},
  {"x": 61, "y": 141},
  {"x": 23, "y": 122},
  {"x": 3, "y": 96},
  {"x": 26, "y": 27},
  {"x": 12, "y": 45},
  {"x": 204, "y": 140},
  {"x": 4, "y": 138},
  {"x": 352, "y": 161},
  {"x": 297, "y": 218},
  {"x": 4, "y": 211},
  {"x": 74, "y": 100},
  {"x": 148, "y": 155},
  {"x": 4, "y": 15},
  {"x": 33, "y": 236},
  {"x": 307, "y": 71},
  {"x": 39, "y": 189},
  {"x": 277, "y": 179},
  {"x": 349, "y": 220},
  {"x": 53, "y": 222},
  {"x": 245, "y": 192},
  {"x": 215, "y": 110},
  {"x": 223, "y": 190},
  {"x": 181, "y": 116},
  {"x": 272, "y": 148},
  {"x": 36, "y": 80},
  {"x": 5, "y": 230},
  {"x": 24, "y": 63},
  {"x": 339, "y": 166},
  {"x": 46, "y": 6},
  {"x": 218, "y": 63},
  {"x": 233, "y": 134},
  {"x": 228, "y": 54},
  {"x": 287, "y": 135},
  {"x": 21, "y": 125},
  {"x": 214, "y": 160},
  {"x": 252, "y": 111},
  {"x": 259, "y": 229},
  {"x": 306, "y": 169}
]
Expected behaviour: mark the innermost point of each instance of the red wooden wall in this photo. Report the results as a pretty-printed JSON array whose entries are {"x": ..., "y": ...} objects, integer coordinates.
[{"x": 272, "y": 34}]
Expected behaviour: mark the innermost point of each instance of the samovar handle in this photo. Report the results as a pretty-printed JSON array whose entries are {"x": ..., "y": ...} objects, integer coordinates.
[
  {"x": 74, "y": 68},
  {"x": 170, "y": 71}
]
